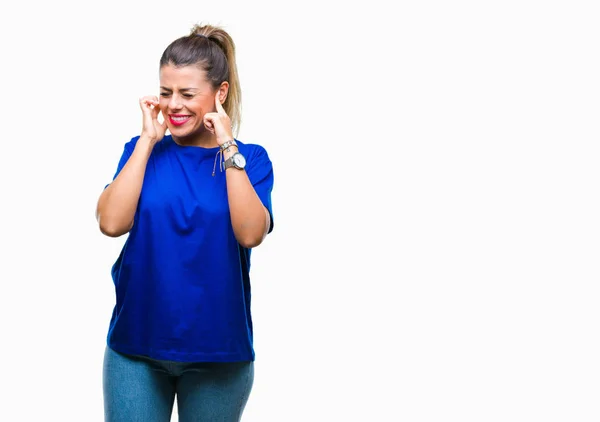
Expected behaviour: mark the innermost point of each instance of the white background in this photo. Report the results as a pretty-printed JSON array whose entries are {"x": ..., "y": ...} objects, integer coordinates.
[{"x": 436, "y": 242}]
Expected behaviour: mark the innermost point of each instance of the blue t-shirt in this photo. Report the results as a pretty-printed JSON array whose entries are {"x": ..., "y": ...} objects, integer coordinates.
[{"x": 182, "y": 280}]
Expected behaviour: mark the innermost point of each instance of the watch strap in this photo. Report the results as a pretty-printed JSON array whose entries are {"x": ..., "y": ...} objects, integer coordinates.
[{"x": 230, "y": 162}]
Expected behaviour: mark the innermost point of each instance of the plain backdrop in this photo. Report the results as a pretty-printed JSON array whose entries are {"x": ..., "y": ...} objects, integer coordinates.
[{"x": 436, "y": 242}]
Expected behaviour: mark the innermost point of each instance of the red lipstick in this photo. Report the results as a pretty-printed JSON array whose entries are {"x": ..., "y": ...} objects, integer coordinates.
[{"x": 178, "y": 119}]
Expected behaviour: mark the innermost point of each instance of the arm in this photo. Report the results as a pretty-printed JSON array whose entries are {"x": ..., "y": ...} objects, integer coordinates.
[
  {"x": 116, "y": 207},
  {"x": 118, "y": 202},
  {"x": 249, "y": 217}
]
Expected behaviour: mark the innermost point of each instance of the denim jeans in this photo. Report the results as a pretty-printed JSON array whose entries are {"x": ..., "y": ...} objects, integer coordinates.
[{"x": 141, "y": 389}]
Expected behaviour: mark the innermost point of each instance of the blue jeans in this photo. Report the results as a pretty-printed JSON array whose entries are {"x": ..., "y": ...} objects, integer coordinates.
[{"x": 138, "y": 388}]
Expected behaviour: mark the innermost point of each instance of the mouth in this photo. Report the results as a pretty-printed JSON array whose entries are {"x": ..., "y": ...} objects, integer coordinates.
[{"x": 179, "y": 119}]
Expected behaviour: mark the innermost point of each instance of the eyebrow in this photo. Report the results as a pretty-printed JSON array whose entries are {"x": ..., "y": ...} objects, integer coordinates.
[{"x": 182, "y": 89}]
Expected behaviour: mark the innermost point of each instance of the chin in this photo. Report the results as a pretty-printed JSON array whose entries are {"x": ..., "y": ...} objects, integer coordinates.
[
  {"x": 184, "y": 134},
  {"x": 180, "y": 132}
]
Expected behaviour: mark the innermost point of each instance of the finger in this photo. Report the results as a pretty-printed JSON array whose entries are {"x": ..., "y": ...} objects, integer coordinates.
[
  {"x": 149, "y": 101},
  {"x": 160, "y": 119},
  {"x": 210, "y": 117},
  {"x": 208, "y": 123},
  {"x": 147, "y": 107},
  {"x": 155, "y": 111},
  {"x": 218, "y": 104}
]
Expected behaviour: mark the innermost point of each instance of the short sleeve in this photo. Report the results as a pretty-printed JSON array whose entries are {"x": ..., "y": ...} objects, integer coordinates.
[
  {"x": 260, "y": 172},
  {"x": 127, "y": 151}
]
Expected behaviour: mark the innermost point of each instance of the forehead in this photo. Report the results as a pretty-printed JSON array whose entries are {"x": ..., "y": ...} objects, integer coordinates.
[{"x": 182, "y": 77}]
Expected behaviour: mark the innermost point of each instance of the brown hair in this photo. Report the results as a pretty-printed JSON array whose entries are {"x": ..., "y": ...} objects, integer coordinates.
[{"x": 212, "y": 49}]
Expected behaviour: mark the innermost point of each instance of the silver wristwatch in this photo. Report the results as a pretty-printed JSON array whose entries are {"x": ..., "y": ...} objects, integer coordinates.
[{"x": 237, "y": 161}]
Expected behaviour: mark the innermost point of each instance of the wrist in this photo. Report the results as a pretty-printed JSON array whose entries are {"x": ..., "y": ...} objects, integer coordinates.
[
  {"x": 145, "y": 142},
  {"x": 229, "y": 148},
  {"x": 235, "y": 160},
  {"x": 223, "y": 139},
  {"x": 229, "y": 152}
]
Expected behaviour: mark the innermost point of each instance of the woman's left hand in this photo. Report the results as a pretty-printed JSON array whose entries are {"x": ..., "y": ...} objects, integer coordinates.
[{"x": 219, "y": 122}]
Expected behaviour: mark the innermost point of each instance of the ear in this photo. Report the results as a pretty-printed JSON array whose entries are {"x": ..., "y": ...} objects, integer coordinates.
[{"x": 223, "y": 91}]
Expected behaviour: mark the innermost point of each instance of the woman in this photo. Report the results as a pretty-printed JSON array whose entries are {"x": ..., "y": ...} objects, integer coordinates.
[{"x": 194, "y": 204}]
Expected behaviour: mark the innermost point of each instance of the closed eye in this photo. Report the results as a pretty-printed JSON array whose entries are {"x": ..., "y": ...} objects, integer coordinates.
[{"x": 168, "y": 94}]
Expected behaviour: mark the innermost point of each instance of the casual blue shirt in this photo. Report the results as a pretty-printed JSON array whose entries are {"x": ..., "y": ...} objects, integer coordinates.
[{"x": 182, "y": 280}]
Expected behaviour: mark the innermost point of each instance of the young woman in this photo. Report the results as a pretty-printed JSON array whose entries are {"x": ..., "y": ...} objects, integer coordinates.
[{"x": 194, "y": 203}]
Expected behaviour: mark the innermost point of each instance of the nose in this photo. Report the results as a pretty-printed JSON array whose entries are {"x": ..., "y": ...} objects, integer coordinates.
[{"x": 175, "y": 102}]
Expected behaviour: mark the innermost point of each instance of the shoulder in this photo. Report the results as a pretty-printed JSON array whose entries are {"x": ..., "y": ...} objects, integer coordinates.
[
  {"x": 131, "y": 143},
  {"x": 163, "y": 144},
  {"x": 253, "y": 151}
]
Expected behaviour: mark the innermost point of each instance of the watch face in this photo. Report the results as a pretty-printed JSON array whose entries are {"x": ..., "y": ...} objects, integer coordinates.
[{"x": 239, "y": 160}]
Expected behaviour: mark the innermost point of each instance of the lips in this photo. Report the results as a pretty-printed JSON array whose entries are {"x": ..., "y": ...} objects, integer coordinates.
[{"x": 179, "y": 119}]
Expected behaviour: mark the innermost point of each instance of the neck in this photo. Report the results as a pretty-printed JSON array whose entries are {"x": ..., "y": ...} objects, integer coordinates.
[{"x": 204, "y": 140}]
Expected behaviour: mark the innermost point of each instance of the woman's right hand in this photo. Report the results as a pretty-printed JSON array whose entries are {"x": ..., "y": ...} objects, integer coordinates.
[{"x": 152, "y": 129}]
